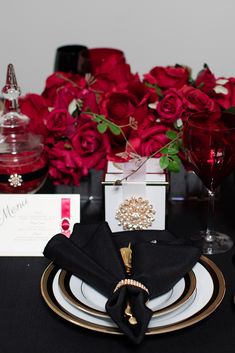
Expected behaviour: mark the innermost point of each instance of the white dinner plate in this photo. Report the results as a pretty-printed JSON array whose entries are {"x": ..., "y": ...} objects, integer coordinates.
[
  {"x": 86, "y": 298},
  {"x": 107, "y": 321},
  {"x": 209, "y": 294}
]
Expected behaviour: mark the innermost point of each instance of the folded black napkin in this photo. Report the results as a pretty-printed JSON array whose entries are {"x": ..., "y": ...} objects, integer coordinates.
[{"x": 92, "y": 253}]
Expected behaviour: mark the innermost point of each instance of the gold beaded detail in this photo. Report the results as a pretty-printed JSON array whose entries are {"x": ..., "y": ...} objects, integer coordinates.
[
  {"x": 130, "y": 282},
  {"x": 135, "y": 213}
]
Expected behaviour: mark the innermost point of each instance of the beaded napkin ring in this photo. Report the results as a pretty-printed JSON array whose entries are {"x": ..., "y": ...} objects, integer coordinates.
[{"x": 130, "y": 282}]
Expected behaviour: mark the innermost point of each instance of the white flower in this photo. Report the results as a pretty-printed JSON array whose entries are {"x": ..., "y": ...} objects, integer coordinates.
[
  {"x": 179, "y": 123},
  {"x": 222, "y": 81},
  {"x": 219, "y": 88},
  {"x": 72, "y": 106},
  {"x": 153, "y": 105}
]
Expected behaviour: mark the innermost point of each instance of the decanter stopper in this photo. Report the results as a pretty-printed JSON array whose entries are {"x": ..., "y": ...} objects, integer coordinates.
[{"x": 11, "y": 91}]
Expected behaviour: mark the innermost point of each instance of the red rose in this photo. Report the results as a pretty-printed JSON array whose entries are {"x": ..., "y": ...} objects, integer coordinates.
[
  {"x": 168, "y": 77},
  {"x": 60, "y": 80},
  {"x": 35, "y": 107},
  {"x": 138, "y": 89},
  {"x": 120, "y": 106},
  {"x": 148, "y": 141},
  {"x": 65, "y": 164},
  {"x": 90, "y": 145},
  {"x": 84, "y": 97},
  {"x": 148, "y": 121},
  {"x": 205, "y": 80},
  {"x": 65, "y": 95},
  {"x": 89, "y": 101},
  {"x": 170, "y": 108},
  {"x": 197, "y": 101},
  {"x": 123, "y": 108},
  {"x": 60, "y": 123}
]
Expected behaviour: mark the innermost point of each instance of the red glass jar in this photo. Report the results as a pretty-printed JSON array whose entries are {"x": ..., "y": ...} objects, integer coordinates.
[{"x": 23, "y": 163}]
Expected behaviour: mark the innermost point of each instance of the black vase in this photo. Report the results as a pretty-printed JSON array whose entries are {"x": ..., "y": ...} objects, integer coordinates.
[{"x": 72, "y": 58}]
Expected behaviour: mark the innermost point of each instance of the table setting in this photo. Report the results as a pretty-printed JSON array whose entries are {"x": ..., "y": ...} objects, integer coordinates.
[
  {"x": 124, "y": 284},
  {"x": 58, "y": 326},
  {"x": 158, "y": 264}
]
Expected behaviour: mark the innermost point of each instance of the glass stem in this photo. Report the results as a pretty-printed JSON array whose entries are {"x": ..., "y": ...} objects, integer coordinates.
[{"x": 210, "y": 230}]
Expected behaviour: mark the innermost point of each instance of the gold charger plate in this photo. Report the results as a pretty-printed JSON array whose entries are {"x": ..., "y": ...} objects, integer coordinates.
[
  {"x": 212, "y": 304},
  {"x": 64, "y": 278}
]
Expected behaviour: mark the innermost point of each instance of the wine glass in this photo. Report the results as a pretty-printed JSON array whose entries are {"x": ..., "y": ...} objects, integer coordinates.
[{"x": 209, "y": 142}]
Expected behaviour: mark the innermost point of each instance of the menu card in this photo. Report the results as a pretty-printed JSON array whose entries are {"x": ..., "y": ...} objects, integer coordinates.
[{"x": 28, "y": 221}]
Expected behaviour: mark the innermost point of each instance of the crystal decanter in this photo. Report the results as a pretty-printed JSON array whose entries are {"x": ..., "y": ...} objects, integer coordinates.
[{"x": 23, "y": 162}]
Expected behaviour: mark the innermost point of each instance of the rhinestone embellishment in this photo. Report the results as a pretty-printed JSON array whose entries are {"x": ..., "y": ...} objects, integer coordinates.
[
  {"x": 15, "y": 180},
  {"x": 135, "y": 213}
]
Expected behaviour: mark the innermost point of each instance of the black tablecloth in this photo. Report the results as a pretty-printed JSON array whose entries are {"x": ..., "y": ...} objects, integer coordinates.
[{"x": 27, "y": 325}]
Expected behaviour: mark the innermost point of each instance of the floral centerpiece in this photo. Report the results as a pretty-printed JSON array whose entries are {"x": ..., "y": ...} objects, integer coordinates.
[{"x": 112, "y": 114}]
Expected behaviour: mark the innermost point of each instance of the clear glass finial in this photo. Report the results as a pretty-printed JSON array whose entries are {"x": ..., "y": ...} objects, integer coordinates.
[{"x": 11, "y": 90}]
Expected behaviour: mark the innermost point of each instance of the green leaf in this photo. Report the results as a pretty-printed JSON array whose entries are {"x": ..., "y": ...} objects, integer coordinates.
[
  {"x": 164, "y": 162},
  {"x": 173, "y": 149},
  {"x": 176, "y": 158},
  {"x": 158, "y": 91},
  {"x": 96, "y": 119},
  {"x": 156, "y": 87},
  {"x": 180, "y": 143},
  {"x": 174, "y": 166},
  {"x": 200, "y": 86},
  {"x": 231, "y": 110},
  {"x": 171, "y": 134},
  {"x": 102, "y": 127},
  {"x": 164, "y": 150},
  {"x": 115, "y": 129}
]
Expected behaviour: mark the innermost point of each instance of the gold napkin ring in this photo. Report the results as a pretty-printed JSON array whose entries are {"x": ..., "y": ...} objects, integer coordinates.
[{"x": 130, "y": 282}]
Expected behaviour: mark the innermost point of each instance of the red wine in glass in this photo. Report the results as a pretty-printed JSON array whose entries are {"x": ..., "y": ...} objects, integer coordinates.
[{"x": 209, "y": 142}]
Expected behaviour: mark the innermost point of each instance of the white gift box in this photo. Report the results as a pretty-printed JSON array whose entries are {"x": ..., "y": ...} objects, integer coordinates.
[{"x": 148, "y": 182}]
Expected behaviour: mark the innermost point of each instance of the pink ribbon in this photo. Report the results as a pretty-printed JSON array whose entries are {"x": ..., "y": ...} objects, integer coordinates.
[{"x": 65, "y": 217}]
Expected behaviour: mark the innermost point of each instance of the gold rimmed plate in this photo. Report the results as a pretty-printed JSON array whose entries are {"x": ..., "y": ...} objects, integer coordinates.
[
  {"x": 86, "y": 298},
  {"x": 209, "y": 294}
]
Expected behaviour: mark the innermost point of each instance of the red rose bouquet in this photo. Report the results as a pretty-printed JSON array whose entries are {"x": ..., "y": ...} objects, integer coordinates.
[{"x": 113, "y": 114}]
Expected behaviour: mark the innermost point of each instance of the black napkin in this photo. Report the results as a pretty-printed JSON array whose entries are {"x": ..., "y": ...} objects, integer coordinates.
[{"x": 92, "y": 253}]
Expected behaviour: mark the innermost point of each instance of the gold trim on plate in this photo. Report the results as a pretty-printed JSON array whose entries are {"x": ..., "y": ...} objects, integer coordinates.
[
  {"x": 190, "y": 287},
  {"x": 217, "y": 297},
  {"x": 65, "y": 315}
]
